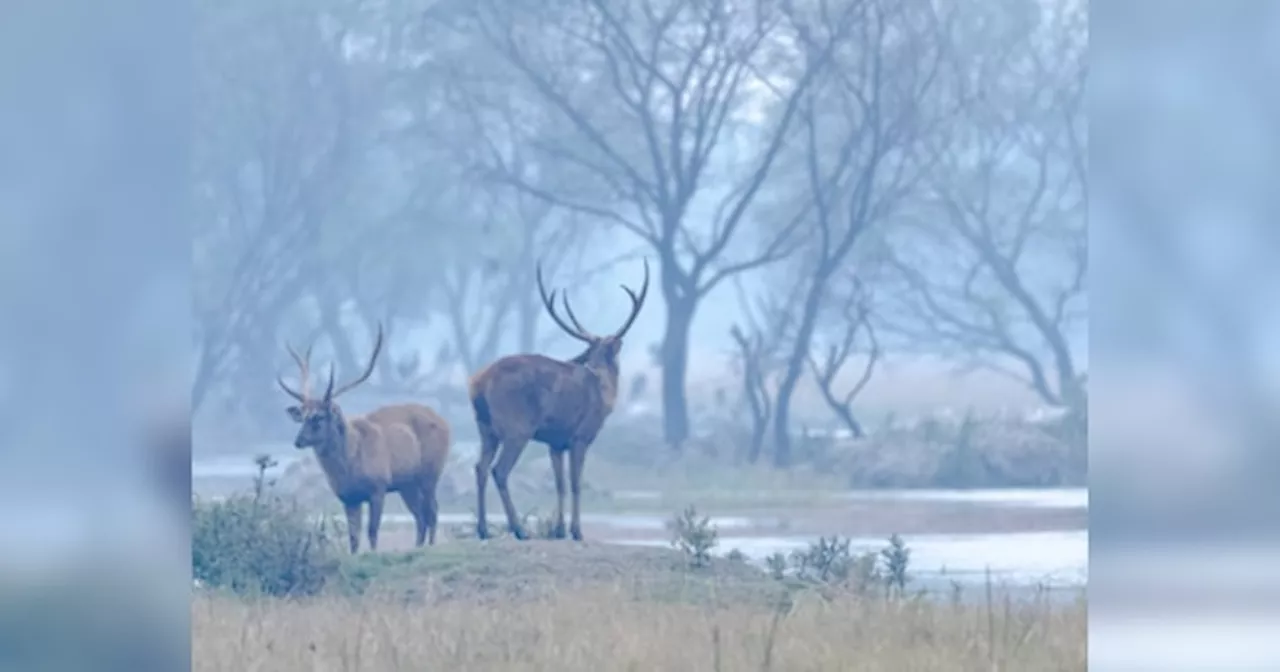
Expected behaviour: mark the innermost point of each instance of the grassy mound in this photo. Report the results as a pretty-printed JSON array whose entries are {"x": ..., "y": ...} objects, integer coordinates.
[{"x": 503, "y": 570}]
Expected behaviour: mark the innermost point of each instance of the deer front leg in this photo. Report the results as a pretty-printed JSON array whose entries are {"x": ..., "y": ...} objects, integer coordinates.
[
  {"x": 557, "y": 469},
  {"x": 375, "y": 518},
  {"x": 353, "y": 525},
  {"x": 577, "y": 457}
]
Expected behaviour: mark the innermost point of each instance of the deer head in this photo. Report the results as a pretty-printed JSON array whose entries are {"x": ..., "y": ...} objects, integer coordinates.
[
  {"x": 601, "y": 355},
  {"x": 321, "y": 419}
]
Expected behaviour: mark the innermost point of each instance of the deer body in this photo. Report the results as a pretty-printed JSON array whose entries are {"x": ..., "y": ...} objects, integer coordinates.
[
  {"x": 563, "y": 404},
  {"x": 395, "y": 449}
]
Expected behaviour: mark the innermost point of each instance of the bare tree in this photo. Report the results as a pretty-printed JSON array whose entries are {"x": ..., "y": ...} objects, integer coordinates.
[
  {"x": 649, "y": 95},
  {"x": 995, "y": 265},
  {"x": 273, "y": 146},
  {"x": 767, "y": 330},
  {"x": 853, "y": 320},
  {"x": 863, "y": 125}
]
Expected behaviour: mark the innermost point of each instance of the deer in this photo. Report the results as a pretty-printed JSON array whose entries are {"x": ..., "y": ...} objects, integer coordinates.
[
  {"x": 560, "y": 403},
  {"x": 400, "y": 448}
]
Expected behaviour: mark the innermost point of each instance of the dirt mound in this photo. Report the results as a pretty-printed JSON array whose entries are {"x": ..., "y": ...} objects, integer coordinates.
[{"x": 502, "y": 570}]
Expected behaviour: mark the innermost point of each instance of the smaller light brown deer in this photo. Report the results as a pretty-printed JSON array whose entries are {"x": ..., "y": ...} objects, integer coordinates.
[
  {"x": 400, "y": 448},
  {"x": 563, "y": 404}
]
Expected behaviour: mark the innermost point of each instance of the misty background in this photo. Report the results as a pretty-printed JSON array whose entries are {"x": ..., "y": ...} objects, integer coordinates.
[{"x": 857, "y": 213}]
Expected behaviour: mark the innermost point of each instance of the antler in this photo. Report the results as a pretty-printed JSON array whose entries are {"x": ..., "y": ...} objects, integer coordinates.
[
  {"x": 330, "y": 393},
  {"x": 304, "y": 373},
  {"x": 636, "y": 301},
  {"x": 568, "y": 310},
  {"x": 549, "y": 302}
]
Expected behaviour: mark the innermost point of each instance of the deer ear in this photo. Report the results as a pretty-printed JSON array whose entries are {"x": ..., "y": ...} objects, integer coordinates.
[{"x": 295, "y": 413}]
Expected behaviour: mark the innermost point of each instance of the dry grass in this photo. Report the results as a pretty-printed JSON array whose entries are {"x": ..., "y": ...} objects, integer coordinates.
[{"x": 605, "y": 628}]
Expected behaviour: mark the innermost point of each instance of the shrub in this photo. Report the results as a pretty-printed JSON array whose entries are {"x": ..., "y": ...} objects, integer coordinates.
[
  {"x": 897, "y": 557},
  {"x": 693, "y": 535},
  {"x": 831, "y": 562},
  {"x": 260, "y": 543}
]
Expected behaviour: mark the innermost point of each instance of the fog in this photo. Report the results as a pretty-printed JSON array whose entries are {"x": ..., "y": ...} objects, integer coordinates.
[{"x": 785, "y": 173}]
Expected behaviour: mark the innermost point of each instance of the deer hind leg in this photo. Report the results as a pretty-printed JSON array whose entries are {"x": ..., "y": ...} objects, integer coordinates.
[
  {"x": 557, "y": 469},
  {"x": 413, "y": 498},
  {"x": 488, "y": 449},
  {"x": 353, "y": 525},
  {"x": 577, "y": 457},
  {"x": 511, "y": 450},
  {"x": 375, "y": 518}
]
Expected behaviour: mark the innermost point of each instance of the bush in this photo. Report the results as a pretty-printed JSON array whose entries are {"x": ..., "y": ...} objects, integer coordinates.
[
  {"x": 693, "y": 535},
  {"x": 260, "y": 543},
  {"x": 831, "y": 562}
]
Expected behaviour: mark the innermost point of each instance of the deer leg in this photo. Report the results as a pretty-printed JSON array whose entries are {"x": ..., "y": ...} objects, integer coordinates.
[
  {"x": 353, "y": 525},
  {"x": 413, "y": 498},
  {"x": 431, "y": 514},
  {"x": 511, "y": 451},
  {"x": 488, "y": 447},
  {"x": 577, "y": 457},
  {"x": 557, "y": 468},
  {"x": 375, "y": 518}
]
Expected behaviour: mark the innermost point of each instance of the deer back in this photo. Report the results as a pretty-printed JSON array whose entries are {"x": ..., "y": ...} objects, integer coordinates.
[
  {"x": 538, "y": 397},
  {"x": 430, "y": 431}
]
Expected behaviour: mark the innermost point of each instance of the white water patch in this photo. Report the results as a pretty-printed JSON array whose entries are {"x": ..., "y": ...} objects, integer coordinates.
[{"x": 1025, "y": 557}]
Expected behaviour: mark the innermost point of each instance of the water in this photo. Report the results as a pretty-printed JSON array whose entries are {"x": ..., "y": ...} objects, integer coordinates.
[{"x": 1050, "y": 558}]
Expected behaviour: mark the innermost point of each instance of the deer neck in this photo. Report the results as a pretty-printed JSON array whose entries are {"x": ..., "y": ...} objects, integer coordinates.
[
  {"x": 340, "y": 453},
  {"x": 607, "y": 381}
]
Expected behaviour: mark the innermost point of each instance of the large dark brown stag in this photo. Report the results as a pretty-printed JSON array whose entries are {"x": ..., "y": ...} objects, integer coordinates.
[
  {"x": 400, "y": 448},
  {"x": 562, "y": 404}
]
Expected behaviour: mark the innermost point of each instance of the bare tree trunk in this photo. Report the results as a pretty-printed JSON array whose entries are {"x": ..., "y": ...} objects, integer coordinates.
[
  {"x": 846, "y": 416},
  {"x": 795, "y": 368},
  {"x": 675, "y": 369}
]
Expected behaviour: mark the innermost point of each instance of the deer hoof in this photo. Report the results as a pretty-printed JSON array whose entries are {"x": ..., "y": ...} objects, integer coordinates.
[
  {"x": 557, "y": 532},
  {"x": 576, "y": 533},
  {"x": 518, "y": 533},
  {"x": 482, "y": 531}
]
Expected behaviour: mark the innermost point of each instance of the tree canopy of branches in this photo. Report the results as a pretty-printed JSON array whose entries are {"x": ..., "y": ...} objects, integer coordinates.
[
  {"x": 654, "y": 101},
  {"x": 275, "y": 113},
  {"x": 863, "y": 129},
  {"x": 992, "y": 259}
]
